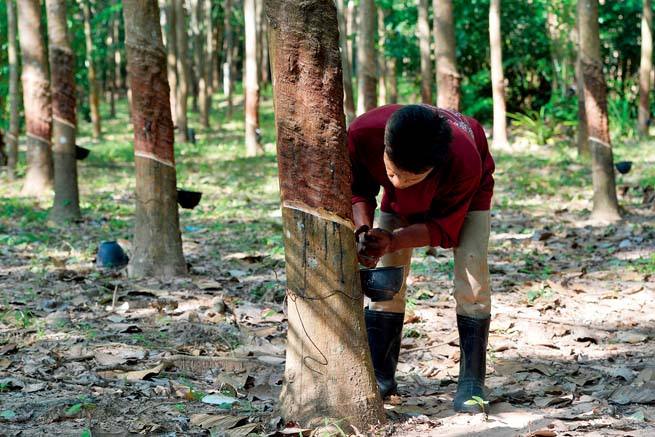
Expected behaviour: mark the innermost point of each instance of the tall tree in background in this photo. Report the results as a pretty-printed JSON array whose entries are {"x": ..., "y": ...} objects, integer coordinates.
[
  {"x": 62, "y": 64},
  {"x": 583, "y": 130},
  {"x": 205, "y": 85},
  {"x": 646, "y": 67},
  {"x": 110, "y": 70},
  {"x": 367, "y": 81},
  {"x": 118, "y": 58},
  {"x": 349, "y": 99},
  {"x": 196, "y": 67},
  {"x": 383, "y": 73},
  {"x": 36, "y": 99},
  {"x": 171, "y": 52},
  {"x": 262, "y": 41},
  {"x": 12, "y": 135},
  {"x": 351, "y": 27},
  {"x": 497, "y": 76},
  {"x": 228, "y": 67},
  {"x": 424, "y": 36},
  {"x": 157, "y": 248},
  {"x": 251, "y": 82},
  {"x": 182, "y": 47},
  {"x": 606, "y": 206},
  {"x": 94, "y": 101},
  {"x": 448, "y": 79},
  {"x": 328, "y": 367}
]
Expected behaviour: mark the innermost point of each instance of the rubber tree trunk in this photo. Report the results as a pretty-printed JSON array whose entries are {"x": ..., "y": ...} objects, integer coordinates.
[
  {"x": 157, "y": 248},
  {"x": 383, "y": 76},
  {"x": 12, "y": 135},
  {"x": 448, "y": 79},
  {"x": 66, "y": 205},
  {"x": 328, "y": 368},
  {"x": 424, "y": 37},
  {"x": 251, "y": 82},
  {"x": 182, "y": 47},
  {"x": 110, "y": 85},
  {"x": 367, "y": 81},
  {"x": 583, "y": 130},
  {"x": 94, "y": 101},
  {"x": 351, "y": 25},
  {"x": 171, "y": 52},
  {"x": 606, "y": 206},
  {"x": 265, "y": 76},
  {"x": 216, "y": 55},
  {"x": 36, "y": 98},
  {"x": 228, "y": 68},
  {"x": 646, "y": 67},
  {"x": 195, "y": 72},
  {"x": 118, "y": 58},
  {"x": 349, "y": 100},
  {"x": 497, "y": 76},
  {"x": 206, "y": 78}
]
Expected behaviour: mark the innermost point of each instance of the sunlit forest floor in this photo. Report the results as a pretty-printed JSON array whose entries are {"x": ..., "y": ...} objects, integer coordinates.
[{"x": 86, "y": 351}]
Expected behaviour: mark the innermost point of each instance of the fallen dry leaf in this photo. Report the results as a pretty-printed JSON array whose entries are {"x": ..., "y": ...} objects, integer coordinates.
[{"x": 216, "y": 422}]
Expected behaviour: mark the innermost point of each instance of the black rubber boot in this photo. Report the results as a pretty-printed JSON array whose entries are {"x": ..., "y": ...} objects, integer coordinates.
[
  {"x": 473, "y": 335},
  {"x": 384, "y": 330}
]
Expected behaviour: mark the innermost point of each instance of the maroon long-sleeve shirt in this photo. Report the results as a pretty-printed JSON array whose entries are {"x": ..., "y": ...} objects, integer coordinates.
[{"x": 442, "y": 199}]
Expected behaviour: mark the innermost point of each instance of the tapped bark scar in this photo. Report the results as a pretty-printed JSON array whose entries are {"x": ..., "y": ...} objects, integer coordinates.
[{"x": 318, "y": 212}]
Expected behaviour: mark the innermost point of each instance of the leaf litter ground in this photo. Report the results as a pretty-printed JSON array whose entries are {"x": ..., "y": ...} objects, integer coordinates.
[{"x": 84, "y": 350}]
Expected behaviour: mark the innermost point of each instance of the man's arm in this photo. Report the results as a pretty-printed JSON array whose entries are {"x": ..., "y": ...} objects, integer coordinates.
[{"x": 363, "y": 213}]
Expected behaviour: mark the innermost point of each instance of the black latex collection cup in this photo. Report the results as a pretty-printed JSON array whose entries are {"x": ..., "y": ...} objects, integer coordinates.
[{"x": 382, "y": 283}]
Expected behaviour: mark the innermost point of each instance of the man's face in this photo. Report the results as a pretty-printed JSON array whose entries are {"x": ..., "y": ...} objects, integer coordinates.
[{"x": 401, "y": 178}]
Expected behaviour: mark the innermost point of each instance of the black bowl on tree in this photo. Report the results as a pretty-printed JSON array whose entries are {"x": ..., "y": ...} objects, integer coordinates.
[
  {"x": 188, "y": 199},
  {"x": 623, "y": 167},
  {"x": 382, "y": 283},
  {"x": 81, "y": 153},
  {"x": 111, "y": 255}
]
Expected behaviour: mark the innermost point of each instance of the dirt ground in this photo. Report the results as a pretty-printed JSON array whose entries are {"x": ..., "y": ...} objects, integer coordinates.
[{"x": 89, "y": 352}]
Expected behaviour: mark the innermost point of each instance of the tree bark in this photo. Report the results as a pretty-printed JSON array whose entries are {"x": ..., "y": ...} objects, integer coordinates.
[
  {"x": 12, "y": 134},
  {"x": 606, "y": 206},
  {"x": 328, "y": 369},
  {"x": 228, "y": 69},
  {"x": 367, "y": 97},
  {"x": 206, "y": 78},
  {"x": 182, "y": 47},
  {"x": 349, "y": 100},
  {"x": 646, "y": 67},
  {"x": 94, "y": 101},
  {"x": 157, "y": 249},
  {"x": 424, "y": 35},
  {"x": 448, "y": 79},
  {"x": 36, "y": 98},
  {"x": 66, "y": 205},
  {"x": 251, "y": 82},
  {"x": 497, "y": 76}
]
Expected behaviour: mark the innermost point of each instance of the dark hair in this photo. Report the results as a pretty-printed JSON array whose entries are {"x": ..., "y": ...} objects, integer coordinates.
[{"x": 417, "y": 138}]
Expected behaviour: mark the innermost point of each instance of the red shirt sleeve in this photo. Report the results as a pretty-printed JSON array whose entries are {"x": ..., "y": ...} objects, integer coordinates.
[
  {"x": 364, "y": 186},
  {"x": 446, "y": 227}
]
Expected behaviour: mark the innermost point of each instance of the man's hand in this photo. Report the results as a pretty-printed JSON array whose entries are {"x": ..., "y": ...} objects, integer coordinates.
[{"x": 372, "y": 245}]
